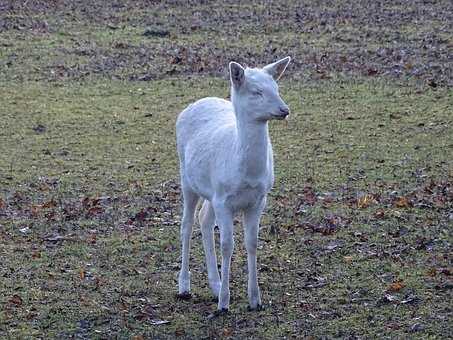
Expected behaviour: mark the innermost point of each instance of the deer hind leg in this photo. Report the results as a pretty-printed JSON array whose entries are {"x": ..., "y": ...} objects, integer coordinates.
[
  {"x": 190, "y": 203},
  {"x": 206, "y": 217}
]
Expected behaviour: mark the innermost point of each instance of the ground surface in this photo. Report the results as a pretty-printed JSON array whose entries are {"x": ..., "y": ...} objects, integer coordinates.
[{"x": 356, "y": 240}]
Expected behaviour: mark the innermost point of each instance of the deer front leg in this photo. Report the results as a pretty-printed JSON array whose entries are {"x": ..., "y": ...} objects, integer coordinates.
[
  {"x": 224, "y": 218},
  {"x": 251, "y": 224}
]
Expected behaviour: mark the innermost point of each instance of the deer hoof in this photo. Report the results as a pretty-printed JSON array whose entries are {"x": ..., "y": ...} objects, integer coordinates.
[
  {"x": 217, "y": 313},
  {"x": 184, "y": 296},
  {"x": 256, "y": 309}
]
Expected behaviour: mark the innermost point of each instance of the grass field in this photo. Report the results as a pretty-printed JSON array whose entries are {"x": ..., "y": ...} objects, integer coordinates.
[{"x": 356, "y": 239}]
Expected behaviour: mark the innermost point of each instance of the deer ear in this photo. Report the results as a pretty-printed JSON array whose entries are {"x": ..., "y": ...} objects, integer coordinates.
[
  {"x": 277, "y": 69},
  {"x": 236, "y": 74}
]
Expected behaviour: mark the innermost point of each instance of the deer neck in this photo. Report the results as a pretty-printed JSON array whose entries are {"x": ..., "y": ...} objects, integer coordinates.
[{"x": 253, "y": 146}]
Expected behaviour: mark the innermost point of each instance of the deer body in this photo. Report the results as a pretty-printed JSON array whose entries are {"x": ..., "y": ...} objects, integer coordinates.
[
  {"x": 226, "y": 160},
  {"x": 241, "y": 172}
]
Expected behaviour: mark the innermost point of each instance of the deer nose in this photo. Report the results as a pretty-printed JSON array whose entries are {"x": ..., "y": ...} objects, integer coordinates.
[{"x": 284, "y": 110}]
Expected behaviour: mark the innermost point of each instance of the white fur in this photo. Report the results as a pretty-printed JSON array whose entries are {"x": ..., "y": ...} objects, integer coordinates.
[{"x": 226, "y": 159}]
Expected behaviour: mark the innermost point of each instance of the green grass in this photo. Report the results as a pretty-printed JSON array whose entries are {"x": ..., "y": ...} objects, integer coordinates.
[
  {"x": 356, "y": 239},
  {"x": 124, "y": 131},
  {"x": 116, "y": 139}
]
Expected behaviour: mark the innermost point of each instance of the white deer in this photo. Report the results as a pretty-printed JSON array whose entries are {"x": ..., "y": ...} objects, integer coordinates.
[{"x": 226, "y": 160}]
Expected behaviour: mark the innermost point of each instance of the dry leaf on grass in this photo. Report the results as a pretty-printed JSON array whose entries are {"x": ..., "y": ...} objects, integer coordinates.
[
  {"x": 159, "y": 322},
  {"x": 365, "y": 201},
  {"x": 396, "y": 286}
]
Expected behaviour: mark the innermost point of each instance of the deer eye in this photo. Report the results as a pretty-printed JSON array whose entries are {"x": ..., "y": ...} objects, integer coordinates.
[{"x": 257, "y": 93}]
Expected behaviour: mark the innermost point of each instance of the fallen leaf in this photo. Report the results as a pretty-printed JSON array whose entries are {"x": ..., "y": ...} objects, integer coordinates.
[
  {"x": 389, "y": 298},
  {"x": 444, "y": 286},
  {"x": 180, "y": 332},
  {"x": 333, "y": 245},
  {"x": 39, "y": 128},
  {"x": 372, "y": 71},
  {"x": 55, "y": 238},
  {"x": 155, "y": 32},
  {"x": 410, "y": 299},
  {"x": 227, "y": 331},
  {"x": 380, "y": 214},
  {"x": 95, "y": 210},
  {"x": 95, "y": 201},
  {"x": 16, "y": 300},
  {"x": 365, "y": 201},
  {"x": 49, "y": 204},
  {"x": 394, "y": 325},
  {"x": 402, "y": 202},
  {"x": 122, "y": 45},
  {"x": 439, "y": 201},
  {"x": 50, "y": 215},
  {"x": 86, "y": 202},
  {"x": 112, "y": 26},
  {"x": 445, "y": 271},
  {"x": 416, "y": 327},
  {"x": 318, "y": 282},
  {"x": 35, "y": 209},
  {"x": 408, "y": 66},
  {"x": 432, "y": 83},
  {"x": 92, "y": 239},
  {"x": 141, "y": 215},
  {"x": 82, "y": 274},
  {"x": 432, "y": 272},
  {"x": 309, "y": 195},
  {"x": 24, "y": 230},
  {"x": 159, "y": 322},
  {"x": 348, "y": 259},
  {"x": 396, "y": 286}
]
